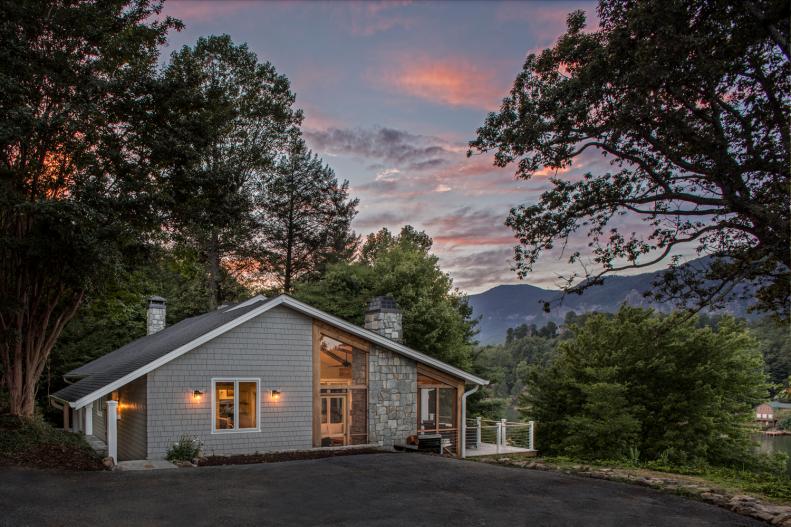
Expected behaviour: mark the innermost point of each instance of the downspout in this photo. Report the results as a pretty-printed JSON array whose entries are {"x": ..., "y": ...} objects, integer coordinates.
[{"x": 464, "y": 420}]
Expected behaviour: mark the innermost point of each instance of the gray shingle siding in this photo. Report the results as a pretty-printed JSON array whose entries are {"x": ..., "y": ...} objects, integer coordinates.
[
  {"x": 275, "y": 347},
  {"x": 132, "y": 425},
  {"x": 99, "y": 416}
]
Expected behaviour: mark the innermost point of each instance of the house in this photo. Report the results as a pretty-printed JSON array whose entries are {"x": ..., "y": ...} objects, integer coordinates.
[
  {"x": 267, "y": 374},
  {"x": 768, "y": 413}
]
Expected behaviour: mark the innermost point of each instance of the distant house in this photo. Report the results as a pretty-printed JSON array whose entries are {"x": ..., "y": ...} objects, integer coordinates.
[
  {"x": 767, "y": 413},
  {"x": 264, "y": 375}
]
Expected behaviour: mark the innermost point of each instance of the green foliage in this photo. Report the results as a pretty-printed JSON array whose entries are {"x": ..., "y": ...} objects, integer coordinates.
[
  {"x": 436, "y": 316},
  {"x": 221, "y": 119},
  {"x": 75, "y": 171},
  {"x": 655, "y": 383},
  {"x": 117, "y": 315},
  {"x": 604, "y": 424},
  {"x": 185, "y": 449},
  {"x": 19, "y": 437},
  {"x": 507, "y": 368},
  {"x": 688, "y": 100},
  {"x": 785, "y": 423},
  {"x": 775, "y": 344}
]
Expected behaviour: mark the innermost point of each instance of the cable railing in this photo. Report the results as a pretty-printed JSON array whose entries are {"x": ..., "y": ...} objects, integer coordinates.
[{"x": 487, "y": 436}]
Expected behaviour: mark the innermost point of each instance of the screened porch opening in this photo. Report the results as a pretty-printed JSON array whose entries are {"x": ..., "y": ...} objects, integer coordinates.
[
  {"x": 343, "y": 392},
  {"x": 438, "y": 411}
]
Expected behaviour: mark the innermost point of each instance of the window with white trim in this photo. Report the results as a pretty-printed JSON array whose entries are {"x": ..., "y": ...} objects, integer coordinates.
[{"x": 235, "y": 404}]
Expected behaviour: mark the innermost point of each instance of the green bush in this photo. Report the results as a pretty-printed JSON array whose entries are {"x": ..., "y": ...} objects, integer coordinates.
[
  {"x": 185, "y": 449},
  {"x": 652, "y": 385},
  {"x": 785, "y": 423}
]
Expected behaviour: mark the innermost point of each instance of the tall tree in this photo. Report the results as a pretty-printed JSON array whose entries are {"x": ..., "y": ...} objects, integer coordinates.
[
  {"x": 305, "y": 218},
  {"x": 221, "y": 119},
  {"x": 690, "y": 102},
  {"x": 75, "y": 78},
  {"x": 686, "y": 396},
  {"x": 437, "y": 318}
]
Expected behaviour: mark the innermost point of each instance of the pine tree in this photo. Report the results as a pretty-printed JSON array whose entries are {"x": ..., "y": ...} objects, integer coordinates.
[
  {"x": 223, "y": 116},
  {"x": 305, "y": 218}
]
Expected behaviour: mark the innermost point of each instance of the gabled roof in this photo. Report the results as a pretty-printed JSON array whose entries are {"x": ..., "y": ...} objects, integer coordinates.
[
  {"x": 777, "y": 405},
  {"x": 109, "y": 372}
]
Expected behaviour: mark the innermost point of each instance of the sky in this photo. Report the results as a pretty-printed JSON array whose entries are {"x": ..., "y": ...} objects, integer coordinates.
[{"x": 392, "y": 92}]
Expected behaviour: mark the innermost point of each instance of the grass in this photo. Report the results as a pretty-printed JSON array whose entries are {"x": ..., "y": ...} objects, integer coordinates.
[
  {"x": 769, "y": 486},
  {"x": 35, "y": 443}
]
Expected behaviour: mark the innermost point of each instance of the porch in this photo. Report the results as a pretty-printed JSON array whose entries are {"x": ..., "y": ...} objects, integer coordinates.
[{"x": 485, "y": 437}]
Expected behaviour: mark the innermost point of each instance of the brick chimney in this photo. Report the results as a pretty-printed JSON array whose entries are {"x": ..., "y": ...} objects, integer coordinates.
[
  {"x": 384, "y": 317},
  {"x": 156, "y": 314}
]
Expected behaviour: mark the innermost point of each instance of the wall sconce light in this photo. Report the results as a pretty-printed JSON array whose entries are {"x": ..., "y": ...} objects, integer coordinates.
[
  {"x": 275, "y": 395},
  {"x": 197, "y": 395}
]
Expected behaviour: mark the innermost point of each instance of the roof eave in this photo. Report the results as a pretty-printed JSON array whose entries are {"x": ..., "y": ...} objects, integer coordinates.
[{"x": 297, "y": 306}]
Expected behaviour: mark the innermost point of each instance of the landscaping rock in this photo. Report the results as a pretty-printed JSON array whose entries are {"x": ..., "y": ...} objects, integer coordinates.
[{"x": 740, "y": 503}]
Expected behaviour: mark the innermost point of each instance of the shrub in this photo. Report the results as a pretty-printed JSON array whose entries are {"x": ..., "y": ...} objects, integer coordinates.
[
  {"x": 185, "y": 449},
  {"x": 654, "y": 383},
  {"x": 785, "y": 423}
]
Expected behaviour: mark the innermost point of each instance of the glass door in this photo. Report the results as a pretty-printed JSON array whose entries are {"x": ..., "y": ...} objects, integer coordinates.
[{"x": 333, "y": 419}]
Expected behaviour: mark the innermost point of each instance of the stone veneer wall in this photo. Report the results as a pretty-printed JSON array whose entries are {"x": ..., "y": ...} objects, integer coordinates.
[
  {"x": 385, "y": 322},
  {"x": 392, "y": 397}
]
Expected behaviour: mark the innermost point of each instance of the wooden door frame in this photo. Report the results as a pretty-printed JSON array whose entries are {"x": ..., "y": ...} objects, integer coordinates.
[
  {"x": 451, "y": 382},
  {"x": 319, "y": 329}
]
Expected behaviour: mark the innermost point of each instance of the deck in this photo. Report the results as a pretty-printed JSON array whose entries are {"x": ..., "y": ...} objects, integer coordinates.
[{"x": 490, "y": 449}]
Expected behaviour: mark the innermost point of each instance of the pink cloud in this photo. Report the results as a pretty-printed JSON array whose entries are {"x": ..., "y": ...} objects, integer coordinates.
[
  {"x": 203, "y": 10},
  {"x": 454, "y": 81},
  {"x": 369, "y": 18},
  {"x": 545, "y": 23}
]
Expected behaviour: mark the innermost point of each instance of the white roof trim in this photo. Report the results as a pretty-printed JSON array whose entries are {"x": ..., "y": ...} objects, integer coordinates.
[
  {"x": 297, "y": 306},
  {"x": 256, "y": 298},
  {"x": 384, "y": 342}
]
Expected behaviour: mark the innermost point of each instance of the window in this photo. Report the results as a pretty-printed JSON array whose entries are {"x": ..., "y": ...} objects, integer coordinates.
[
  {"x": 342, "y": 363},
  {"x": 235, "y": 404},
  {"x": 437, "y": 409}
]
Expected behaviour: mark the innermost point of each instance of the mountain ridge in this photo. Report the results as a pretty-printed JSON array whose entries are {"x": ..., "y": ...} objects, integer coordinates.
[{"x": 509, "y": 305}]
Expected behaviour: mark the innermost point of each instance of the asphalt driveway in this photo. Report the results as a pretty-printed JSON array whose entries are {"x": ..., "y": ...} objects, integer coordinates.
[{"x": 363, "y": 490}]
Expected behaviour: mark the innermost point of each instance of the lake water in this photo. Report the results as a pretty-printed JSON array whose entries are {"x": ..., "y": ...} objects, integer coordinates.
[{"x": 771, "y": 444}]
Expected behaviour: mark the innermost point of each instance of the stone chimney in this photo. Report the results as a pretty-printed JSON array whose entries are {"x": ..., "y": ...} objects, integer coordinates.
[
  {"x": 384, "y": 317},
  {"x": 156, "y": 314}
]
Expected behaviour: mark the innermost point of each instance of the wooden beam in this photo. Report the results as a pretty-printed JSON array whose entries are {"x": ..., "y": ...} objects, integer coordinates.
[
  {"x": 428, "y": 371},
  {"x": 342, "y": 336}
]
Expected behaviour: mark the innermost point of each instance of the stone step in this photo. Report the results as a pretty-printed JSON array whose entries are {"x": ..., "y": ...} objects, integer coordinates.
[{"x": 97, "y": 444}]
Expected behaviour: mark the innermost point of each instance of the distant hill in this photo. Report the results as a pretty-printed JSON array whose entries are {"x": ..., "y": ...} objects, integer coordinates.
[{"x": 507, "y": 306}]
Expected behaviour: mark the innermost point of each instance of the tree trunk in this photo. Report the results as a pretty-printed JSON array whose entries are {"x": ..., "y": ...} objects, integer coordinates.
[
  {"x": 213, "y": 255},
  {"x": 289, "y": 264},
  {"x": 31, "y": 332}
]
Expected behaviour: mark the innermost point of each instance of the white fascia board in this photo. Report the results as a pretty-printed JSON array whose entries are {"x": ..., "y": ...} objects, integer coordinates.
[
  {"x": 256, "y": 298},
  {"x": 151, "y": 366},
  {"x": 297, "y": 306},
  {"x": 382, "y": 341}
]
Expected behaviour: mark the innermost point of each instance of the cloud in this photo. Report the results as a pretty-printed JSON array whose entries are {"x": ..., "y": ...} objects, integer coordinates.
[
  {"x": 367, "y": 19},
  {"x": 544, "y": 23},
  {"x": 469, "y": 227},
  {"x": 453, "y": 81},
  {"x": 407, "y": 150},
  {"x": 481, "y": 270},
  {"x": 190, "y": 11}
]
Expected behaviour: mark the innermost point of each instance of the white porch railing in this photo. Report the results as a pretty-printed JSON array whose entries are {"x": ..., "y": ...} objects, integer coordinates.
[{"x": 486, "y": 436}]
